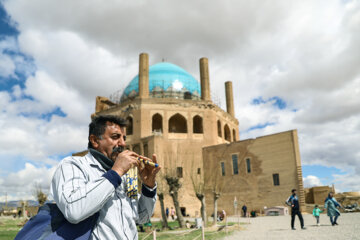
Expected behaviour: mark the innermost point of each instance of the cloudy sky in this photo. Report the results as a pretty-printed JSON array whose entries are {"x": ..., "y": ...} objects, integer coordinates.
[{"x": 293, "y": 64}]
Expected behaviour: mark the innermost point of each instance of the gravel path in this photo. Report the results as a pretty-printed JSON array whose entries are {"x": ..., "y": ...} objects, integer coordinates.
[{"x": 278, "y": 227}]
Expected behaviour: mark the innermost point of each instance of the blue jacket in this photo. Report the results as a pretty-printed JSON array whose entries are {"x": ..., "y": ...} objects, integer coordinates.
[
  {"x": 293, "y": 201},
  {"x": 331, "y": 205}
]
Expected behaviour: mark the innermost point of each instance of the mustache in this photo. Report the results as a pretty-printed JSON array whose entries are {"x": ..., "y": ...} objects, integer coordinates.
[{"x": 118, "y": 149}]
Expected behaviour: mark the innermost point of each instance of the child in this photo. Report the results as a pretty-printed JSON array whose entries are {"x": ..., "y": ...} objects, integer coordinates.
[{"x": 316, "y": 213}]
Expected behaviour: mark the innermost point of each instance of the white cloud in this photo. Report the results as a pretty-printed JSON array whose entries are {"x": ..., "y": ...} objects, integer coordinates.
[
  {"x": 24, "y": 132},
  {"x": 347, "y": 182},
  {"x": 50, "y": 92},
  {"x": 21, "y": 184},
  {"x": 311, "y": 181},
  {"x": 12, "y": 60},
  {"x": 77, "y": 64},
  {"x": 7, "y": 66},
  {"x": 17, "y": 92}
]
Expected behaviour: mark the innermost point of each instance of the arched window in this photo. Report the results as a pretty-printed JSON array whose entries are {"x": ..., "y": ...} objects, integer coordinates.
[
  {"x": 219, "y": 128},
  {"x": 197, "y": 124},
  {"x": 227, "y": 133},
  {"x": 234, "y": 135},
  {"x": 157, "y": 123},
  {"x": 177, "y": 124},
  {"x": 129, "y": 127}
]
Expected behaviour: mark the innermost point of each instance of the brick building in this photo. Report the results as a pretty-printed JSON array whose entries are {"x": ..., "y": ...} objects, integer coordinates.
[{"x": 259, "y": 172}]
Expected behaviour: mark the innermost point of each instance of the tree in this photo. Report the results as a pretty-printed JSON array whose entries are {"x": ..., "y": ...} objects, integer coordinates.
[
  {"x": 199, "y": 188},
  {"x": 160, "y": 192},
  {"x": 174, "y": 184},
  {"x": 40, "y": 196},
  {"x": 217, "y": 189}
]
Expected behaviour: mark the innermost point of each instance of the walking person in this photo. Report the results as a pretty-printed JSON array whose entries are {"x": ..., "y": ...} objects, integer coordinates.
[
  {"x": 331, "y": 206},
  {"x": 172, "y": 213},
  {"x": 316, "y": 214},
  {"x": 293, "y": 201},
  {"x": 167, "y": 213},
  {"x": 244, "y": 209}
]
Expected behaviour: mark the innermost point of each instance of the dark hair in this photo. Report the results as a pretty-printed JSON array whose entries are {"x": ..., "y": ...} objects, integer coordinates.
[
  {"x": 293, "y": 190},
  {"x": 98, "y": 125},
  {"x": 316, "y": 206}
]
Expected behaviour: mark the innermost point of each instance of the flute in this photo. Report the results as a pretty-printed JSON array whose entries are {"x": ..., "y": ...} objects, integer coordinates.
[
  {"x": 148, "y": 162},
  {"x": 141, "y": 158}
]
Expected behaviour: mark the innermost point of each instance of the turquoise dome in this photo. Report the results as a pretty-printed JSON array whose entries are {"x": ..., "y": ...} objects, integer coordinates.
[{"x": 166, "y": 80}]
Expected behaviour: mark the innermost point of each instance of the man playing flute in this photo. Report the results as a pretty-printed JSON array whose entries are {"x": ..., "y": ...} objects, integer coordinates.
[{"x": 99, "y": 182}]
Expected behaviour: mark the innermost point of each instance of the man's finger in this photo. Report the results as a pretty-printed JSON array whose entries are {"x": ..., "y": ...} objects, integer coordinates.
[
  {"x": 133, "y": 154},
  {"x": 157, "y": 170},
  {"x": 146, "y": 158},
  {"x": 142, "y": 166},
  {"x": 154, "y": 159},
  {"x": 134, "y": 161},
  {"x": 140, "y": 169}
]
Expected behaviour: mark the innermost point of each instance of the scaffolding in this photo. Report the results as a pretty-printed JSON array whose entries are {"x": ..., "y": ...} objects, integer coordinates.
[{"x": 117, "y": 97}]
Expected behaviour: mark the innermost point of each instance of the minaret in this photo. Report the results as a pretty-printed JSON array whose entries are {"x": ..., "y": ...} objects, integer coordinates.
[
  {"x": 144, "y": 75},
  {"x": 204, "y": 79},
  {"x": 229, "y": 98}
]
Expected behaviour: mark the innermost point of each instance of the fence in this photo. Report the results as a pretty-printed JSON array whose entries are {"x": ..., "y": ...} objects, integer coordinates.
[{"x": 153, "y": 233}]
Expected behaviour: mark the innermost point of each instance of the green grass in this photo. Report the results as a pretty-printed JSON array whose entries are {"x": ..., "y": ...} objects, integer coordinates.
[
  {"x": 172, "y": 224},
  {"x": 209, "y": 235},
  {"x": 9, "y": 228},
  {"x": 184, "y": 234},
  {"x": 175, "y": 224},
  {"x": 229, "y": 223}
]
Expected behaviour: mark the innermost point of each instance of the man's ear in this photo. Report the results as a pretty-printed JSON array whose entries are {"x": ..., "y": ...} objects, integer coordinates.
[{"x": 94, "y": 141}]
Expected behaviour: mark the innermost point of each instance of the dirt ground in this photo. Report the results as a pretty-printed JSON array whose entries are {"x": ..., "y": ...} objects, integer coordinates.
[{"x": 278, "y": 227}]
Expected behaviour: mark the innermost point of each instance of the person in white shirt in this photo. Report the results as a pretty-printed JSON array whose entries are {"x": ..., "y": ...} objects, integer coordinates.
[{"x": 99, "y": 182}]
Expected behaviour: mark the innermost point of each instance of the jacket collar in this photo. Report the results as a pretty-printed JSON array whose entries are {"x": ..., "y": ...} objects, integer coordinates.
[{"x": 104, "y": 161}]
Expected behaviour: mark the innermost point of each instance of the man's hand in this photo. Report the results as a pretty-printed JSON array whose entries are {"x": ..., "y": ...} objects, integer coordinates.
[
  {"x": 124, "y": 161},
  {"x": 148, "y": 173}
]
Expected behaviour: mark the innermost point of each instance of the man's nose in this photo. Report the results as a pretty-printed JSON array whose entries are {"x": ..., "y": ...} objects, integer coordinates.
[{"x": 121, "y": 142}]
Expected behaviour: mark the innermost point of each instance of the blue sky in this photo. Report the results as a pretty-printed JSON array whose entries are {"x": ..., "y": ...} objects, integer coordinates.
[
  {"x": 286, "y": 73},
  {"x": 9, "y": 31},
  {"x": 323, "y": 173},
  {"x": 5, "y": 28}
]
